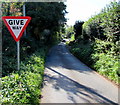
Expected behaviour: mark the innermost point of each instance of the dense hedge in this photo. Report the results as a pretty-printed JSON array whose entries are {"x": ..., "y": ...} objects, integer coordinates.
[
  {"x": 28, "y": 45},
  {"x": 98, "y": 44},
  {"x": 24, "y": 86},
  {"x": 105, "y": 25},
  {"x": 41, "y": 31}
]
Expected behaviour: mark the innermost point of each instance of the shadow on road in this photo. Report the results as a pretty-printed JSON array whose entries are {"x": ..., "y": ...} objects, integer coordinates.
[
  {"x": 59, "y": 56},
  {"x": 74, "y": 88}
]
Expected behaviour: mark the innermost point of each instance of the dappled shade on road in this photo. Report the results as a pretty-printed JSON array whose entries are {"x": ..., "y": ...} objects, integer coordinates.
[{"x": 67, "y": 80}]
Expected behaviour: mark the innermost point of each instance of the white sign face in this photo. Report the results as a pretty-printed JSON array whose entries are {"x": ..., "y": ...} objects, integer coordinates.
[{"x": 16, "y": 25}]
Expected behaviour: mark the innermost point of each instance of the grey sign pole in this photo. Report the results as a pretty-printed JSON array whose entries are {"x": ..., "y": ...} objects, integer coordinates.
[
  {"x": 24, "y": 15},
  {"x": 18, "y": 55}
]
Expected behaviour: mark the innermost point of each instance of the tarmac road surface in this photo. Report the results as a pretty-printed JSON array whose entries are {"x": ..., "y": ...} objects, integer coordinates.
[{"x": 67, "y": 80}]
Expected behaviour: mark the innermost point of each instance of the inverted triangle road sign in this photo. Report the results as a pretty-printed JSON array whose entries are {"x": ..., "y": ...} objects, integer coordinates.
[{"x": 16, "y": 25}]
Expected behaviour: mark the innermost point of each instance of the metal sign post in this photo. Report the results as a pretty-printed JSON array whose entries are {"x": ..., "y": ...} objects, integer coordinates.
[
  {"x": 24, "y": 15},
  {"x": 17, "y": 25},
  {"x": 18, "y": 55}
]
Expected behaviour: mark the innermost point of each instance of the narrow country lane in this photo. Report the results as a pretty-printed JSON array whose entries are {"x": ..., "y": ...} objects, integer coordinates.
[{"x": 67, "y": 80}]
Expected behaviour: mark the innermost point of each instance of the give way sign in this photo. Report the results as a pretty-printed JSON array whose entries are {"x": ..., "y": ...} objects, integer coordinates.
[{"x": 16, "y": 25}]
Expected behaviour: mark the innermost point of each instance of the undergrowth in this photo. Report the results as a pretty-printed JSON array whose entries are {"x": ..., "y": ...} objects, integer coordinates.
[
  {"x": 104, "y": 63},
  {"x": 98, "y": 45},
  {"x": 24, "y": 86}
]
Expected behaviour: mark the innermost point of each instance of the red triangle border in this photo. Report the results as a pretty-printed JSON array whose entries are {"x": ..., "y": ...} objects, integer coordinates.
[{"x": 16, "y": 17}]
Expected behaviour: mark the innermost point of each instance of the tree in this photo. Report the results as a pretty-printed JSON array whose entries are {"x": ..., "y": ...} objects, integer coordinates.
[
  {"x": 12, "y": 8},
  {"x": 78, "y": 28},
  {"x": 45, "y": 16},
  {"x": 41, "y": 30},
  {"x": 69, "y": 31}
]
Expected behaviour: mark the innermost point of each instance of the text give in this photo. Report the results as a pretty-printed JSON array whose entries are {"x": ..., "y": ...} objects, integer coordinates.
[{"x": 16, "y": 22}]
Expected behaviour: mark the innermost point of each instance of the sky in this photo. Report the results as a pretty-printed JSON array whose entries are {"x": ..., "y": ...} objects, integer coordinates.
[{"x": 83, "y": 9}]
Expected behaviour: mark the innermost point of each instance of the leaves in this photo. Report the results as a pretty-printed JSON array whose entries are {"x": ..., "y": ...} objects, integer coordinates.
[
  {"x": 98, "y": 47},
  {"x": 105, "y": 25},
  {"x": 24, "y": 86},
  {"x": 46, "y": 16}
]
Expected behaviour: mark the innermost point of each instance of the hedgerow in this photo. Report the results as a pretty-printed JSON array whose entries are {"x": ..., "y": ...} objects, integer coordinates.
[
  {"x": 98, "y": 46},
  {"x": 24, "y": 86}
]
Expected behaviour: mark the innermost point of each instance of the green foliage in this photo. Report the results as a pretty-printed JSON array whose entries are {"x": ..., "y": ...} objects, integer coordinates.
[
  {"x": 8, "y": 52},
  {"x": 11, "y": 8},
  {"x": 99, "y": 45},
  {"x": 69, "y": 32},
  {"x": 98, "y": 56},
  {"x": 72, "y": 37},
  {"x": 107, "y": 65},
  {"x": 105, "y": 25},
  {"x": 78, "y": 28},
  {"x": 41, "y": 32},
  {"x": 106, "y": 59},
  {"x": 24, "y": 85},
  {"x": 28, "y": 45},
  {"x": 83, "y": 52},
  {"x": 47, "y": 19}
]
